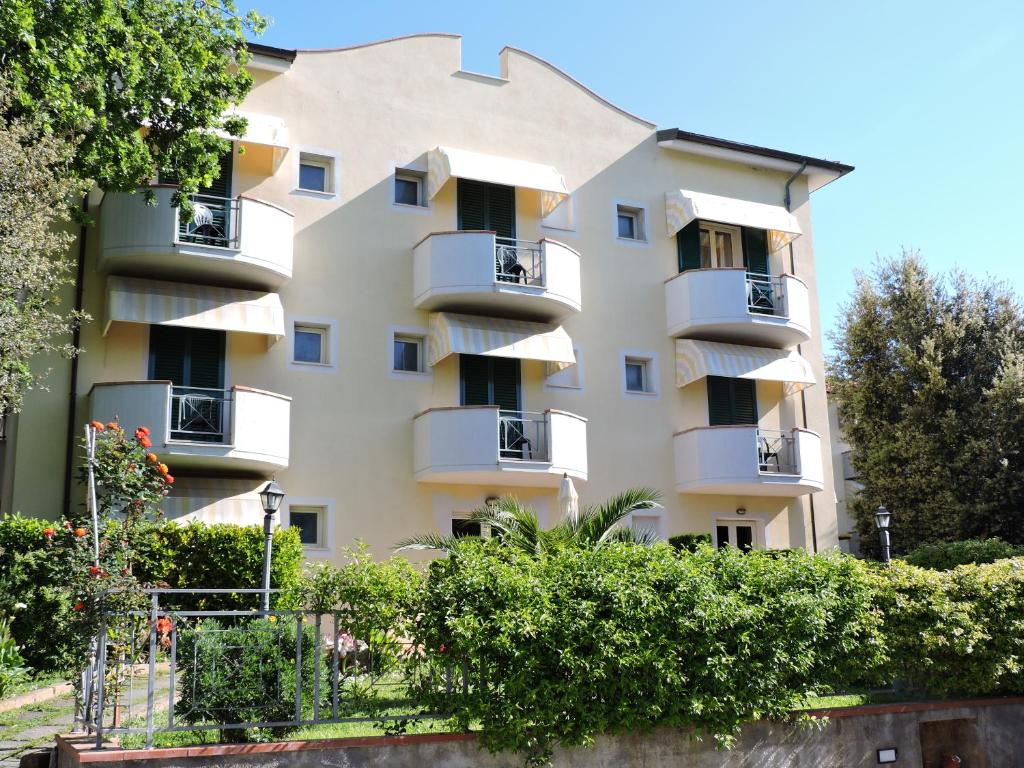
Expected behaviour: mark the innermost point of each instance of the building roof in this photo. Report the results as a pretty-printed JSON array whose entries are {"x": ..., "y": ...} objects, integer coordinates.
[
  {"x": 285, "y": 54},
  {"x": 670, "y": 134}
]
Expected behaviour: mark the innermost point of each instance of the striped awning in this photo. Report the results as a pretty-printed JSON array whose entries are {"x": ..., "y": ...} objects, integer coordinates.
[
  {"x": 697, "y": 359},
  {"x": 683, "y": 206},
  {"x": 157, "y": 302},
  {"x": 444, "y": 163},
  {"x": 215, "y": 500},
  {"x": 472, "y": 335}
]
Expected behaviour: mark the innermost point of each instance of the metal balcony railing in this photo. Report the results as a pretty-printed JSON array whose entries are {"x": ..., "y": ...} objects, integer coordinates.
[
  {"x": 200, "y": 414},
  {"x": 523, "y": 435},
  {"x": 776, "y": 452},
  {"x": 765, "y": 295},
  {"x": 215, "y": 221},
  {"x": 518, "y": 261}
]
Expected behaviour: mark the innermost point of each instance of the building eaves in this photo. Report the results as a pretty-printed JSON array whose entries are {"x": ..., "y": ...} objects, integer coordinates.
[
  {"x": 676, "y": 134},
  {"x": 284, "y": 54}
]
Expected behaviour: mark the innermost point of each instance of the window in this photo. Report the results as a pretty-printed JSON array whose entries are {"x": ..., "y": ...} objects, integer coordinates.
[
  {"x": 639, "y": 373},
  {"x": 720, "y": 246},
  {"x": 630, "y": 223},
  {"x": 310, "y": 345},
  {"x": 311, "y": 523},
  {"x": 731, "y": 401},
  {"x": 462, "y": 527},
  {"x": 409, "y": 188},
  {"x": 316, "y": 173},
  {"x": 408, "y": 356},
  {"x": 636, "y": 375},
  {"x": 734, "y": 533}
]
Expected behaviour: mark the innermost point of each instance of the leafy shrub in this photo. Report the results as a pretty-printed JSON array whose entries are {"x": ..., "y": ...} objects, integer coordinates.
[
  {"x": 12, "y": 666},
  {"x": 244, "y": 673},
  {"x": 689, "y": 542},
  {"x": 574, "y": 643},
  {"x": 947, "y": 555},
  {"x": 41, "y": 572}
]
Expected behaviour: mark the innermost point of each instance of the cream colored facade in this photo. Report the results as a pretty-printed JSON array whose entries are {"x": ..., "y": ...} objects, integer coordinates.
[
  {"x": 846, "y": 485},
  {"x": 380, "y": 454}
]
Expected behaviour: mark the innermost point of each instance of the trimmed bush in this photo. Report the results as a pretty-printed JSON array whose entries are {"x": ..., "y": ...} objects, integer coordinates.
[
  {"x": 948, "y": 555},
  {"x": 689, "y": 542},
  {"x": 38, "y": 575}
]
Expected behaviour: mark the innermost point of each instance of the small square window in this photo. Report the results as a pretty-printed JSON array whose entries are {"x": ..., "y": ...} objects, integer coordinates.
[
  {"x": 408, "y": 355},
  {"x": 310, "y": 522},
  {"x": 409, "y": 188},
  {"x": 637, "y": 378},
  {"x": 630, "y": 223},
  {"x": 316, "y": 173},
  {"x": 310, "y": 345}
]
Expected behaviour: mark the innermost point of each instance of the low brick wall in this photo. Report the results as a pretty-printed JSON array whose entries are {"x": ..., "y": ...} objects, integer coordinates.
[{"x": 986, "y": 733}]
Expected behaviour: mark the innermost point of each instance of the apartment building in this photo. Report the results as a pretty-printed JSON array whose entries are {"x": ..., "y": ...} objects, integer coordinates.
[
  {"x": 847, "y": 485},
  {"x": 419, "y": 288}
]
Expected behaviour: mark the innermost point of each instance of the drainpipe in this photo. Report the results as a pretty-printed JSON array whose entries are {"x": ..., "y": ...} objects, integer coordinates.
[
  {"x": 76, "y": 339},
  {"x": 803, "y": 397}
]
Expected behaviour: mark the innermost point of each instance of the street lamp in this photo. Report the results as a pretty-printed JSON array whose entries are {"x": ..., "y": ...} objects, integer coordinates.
[
  {"x": 882, "y": 518},
  {"x": 270, "y": 498}
]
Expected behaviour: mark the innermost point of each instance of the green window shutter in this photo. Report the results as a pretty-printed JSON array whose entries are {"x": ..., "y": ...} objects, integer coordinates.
[
  {"x": 501, "y": 210},
  {"x": 755, "y": 250},
  {"x": 472, "y": 205},
  {"x": 731, "y": 401},
  {"x": 489, "y": 381},
  {"x": 486, "y": 207},
  {"x": 505, "y": 383},
  {"x": 188, "y": 357},
  {"x": 688, "y": 245},
  {"x": 221, "y": 186},
  {"x": 206, "y": 361},
  {"x": 168, "y": 350},
  {"x": 474, "y": 377}
]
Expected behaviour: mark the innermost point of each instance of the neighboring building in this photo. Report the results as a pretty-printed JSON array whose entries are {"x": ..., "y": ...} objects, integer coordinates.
[
  {"x": 421, "y": 287},
  {"x": 846, "y": 485}
]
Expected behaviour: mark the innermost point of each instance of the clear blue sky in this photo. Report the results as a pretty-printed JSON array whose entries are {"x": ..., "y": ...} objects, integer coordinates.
[{"x": 926, "y": 99}]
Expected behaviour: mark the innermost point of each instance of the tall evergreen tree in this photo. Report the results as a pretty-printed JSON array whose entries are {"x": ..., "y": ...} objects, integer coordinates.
[{"x": 929, "y": 378}]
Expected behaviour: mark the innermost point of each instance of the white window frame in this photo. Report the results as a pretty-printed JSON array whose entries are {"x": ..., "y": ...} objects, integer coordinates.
[
  {"x": 326, "y": 158},
  {"x": 737, "y": 239},
  {"x": 329, "y": 326},
  {"x": 639, "y": 212},
  {"x": 325, "y": 550},
  {"x": 407, "y": 332},
  {"x": 323, "y": 358},
  {"x": 652, "y": 374},
  {"x": 550, "y": 374},
  {"x": 410, "y": 174},
  {"x": 760, "y": 534}
]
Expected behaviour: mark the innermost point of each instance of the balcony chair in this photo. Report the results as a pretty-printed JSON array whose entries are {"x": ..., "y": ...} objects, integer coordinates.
[
  {"x": 204, "y": 225},
  {"x": 199, "y": 415},
  {"x": 514, "y": 443},
  {"x": 766, "y": 453},
  {"x": 509, "y": 270}
]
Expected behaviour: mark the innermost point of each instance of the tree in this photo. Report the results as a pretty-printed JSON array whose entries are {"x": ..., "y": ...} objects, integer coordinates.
[
  {"x": 928, "y": 374},
  {"x": 139, "y": 84},
  {"x": 517, "y": 525},
  {"x": 35, "y": 185}
]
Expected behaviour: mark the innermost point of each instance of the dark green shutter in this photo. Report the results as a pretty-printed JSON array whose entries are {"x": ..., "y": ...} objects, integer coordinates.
[
  {"x": 755, "y": 250},
  {"x": 221, "y": 186},
  {"x": 206, "y": 361},
  {"x": 188, "y": 357},
  {"x": 474, "y": 373},
  {"x": 486, "y": 207},
  {"x": 489, "y": 381},
  {"x": 505, "y": 383},
  {"x": 731, "y": 401},
  {"x": 168, "y": 349},
  {"x": 688, "y": 245}
]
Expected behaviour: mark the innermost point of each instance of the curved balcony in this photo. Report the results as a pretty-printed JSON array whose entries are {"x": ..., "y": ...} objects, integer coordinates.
[
  {"x": 235, "y": 240},
  {"x": 238, "y": 430},
  {"x": 480, "y": 273},
  {"x": 482, "y": 445},
  {"x": 735, "y": 306},
  {"x": 748, "y": 460}
]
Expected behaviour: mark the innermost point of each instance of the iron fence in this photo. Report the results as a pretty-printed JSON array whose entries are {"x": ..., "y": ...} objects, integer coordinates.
[
  {"x": 215, "y": 221},
  {"x": 177, "y": 667},
  {"x": 518, "y": 261},
  {"x": 523, "y": 435},
  {"x": 776, "y": 452},
  {"x": 765, "y": 295},
  {"x": 200, "y": 414}
]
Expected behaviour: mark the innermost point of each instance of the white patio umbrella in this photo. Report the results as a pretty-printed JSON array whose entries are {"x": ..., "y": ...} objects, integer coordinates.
[{"x": 568, "y": 499}]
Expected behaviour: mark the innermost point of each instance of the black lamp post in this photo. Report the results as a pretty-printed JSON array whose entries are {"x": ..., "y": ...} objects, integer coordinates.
[
  {"x": 270, "y": 498},
  {"x": 882, "y": 518}
]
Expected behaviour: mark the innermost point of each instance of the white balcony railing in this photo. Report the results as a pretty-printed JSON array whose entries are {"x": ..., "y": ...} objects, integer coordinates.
[
  {"x": 748, "y": 460},
  {"x": 237, "y": 240},
  {"x": 483, "y": 444},
  {"x": 480, "y": 272},
  {"x": 732, "y": 305}
]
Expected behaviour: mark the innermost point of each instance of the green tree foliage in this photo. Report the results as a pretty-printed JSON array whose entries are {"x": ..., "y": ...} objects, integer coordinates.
[
  {"x": 929, "y": 377},
  {"x": 136, "y": 84},
  {"x": 948, "y": 555},
  {"x": 35, "y": 234}
]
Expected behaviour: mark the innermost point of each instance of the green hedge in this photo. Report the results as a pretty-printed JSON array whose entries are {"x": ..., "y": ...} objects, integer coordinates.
[
  {"x": 947, "y": 555},
  {"x": 689, "y": 542},
  {"x": 186, "y": 556}
]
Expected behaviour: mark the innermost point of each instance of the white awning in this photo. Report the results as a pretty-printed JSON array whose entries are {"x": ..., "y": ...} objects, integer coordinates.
[
  {"x": 472, "y": 335},
  {"x": 684, "y": 206},
  {"x": 214, "y": 500},
  {"x": 697, "y": 359},
  {"x": 268, "y": 130},
  {"x": 444, "y": 163},
  {"x": 157, "y": 302}
]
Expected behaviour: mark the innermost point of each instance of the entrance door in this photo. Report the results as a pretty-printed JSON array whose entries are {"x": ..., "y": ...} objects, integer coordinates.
[
  {"x": 733, "y": 533},
  {"x": 192, "y": 359},
  {"x": 496, "y": 381}
]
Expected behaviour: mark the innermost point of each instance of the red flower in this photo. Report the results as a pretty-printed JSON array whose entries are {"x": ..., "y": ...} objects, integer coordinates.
[
  {"x": 95, "y": 570},
  {"x": 143, "y": 430},
  {"x": 97, "y": 425},
  {"x": 48, "y": 532},
  {"x": 163, "y": 469},
  {"x": 441, "y": 648},
  {"x": 79, "y": 605},
  {"x": 169, "y": 479},
  {"x": 80, "y": 532},
  {"x": 145, "y": 442},
  {"x": 164, "y": 625},
  {"x": 113, "y": 425}
]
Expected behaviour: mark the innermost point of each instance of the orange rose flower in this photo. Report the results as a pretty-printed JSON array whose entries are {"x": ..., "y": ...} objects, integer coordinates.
[
  {"x": 163, "y": 469},
  {"x": 97, "y": 425},
  {"x": 112, "y": 425},
  {"x": 169, "y": 479},
  {"x": 48, "y": 532},
  {"x": 151, "y": 457},
  {"x": 80, "y": 532},
  {"x": 143, "y": 430},
  {"x": 145, "y": 442}
]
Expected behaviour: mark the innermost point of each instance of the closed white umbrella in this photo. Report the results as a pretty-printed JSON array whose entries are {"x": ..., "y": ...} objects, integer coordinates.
[{"x": 568, "y": 499}]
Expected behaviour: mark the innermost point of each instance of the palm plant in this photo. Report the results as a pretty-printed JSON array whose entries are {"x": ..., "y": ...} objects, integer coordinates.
[{"x": 516, "y": 525}]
